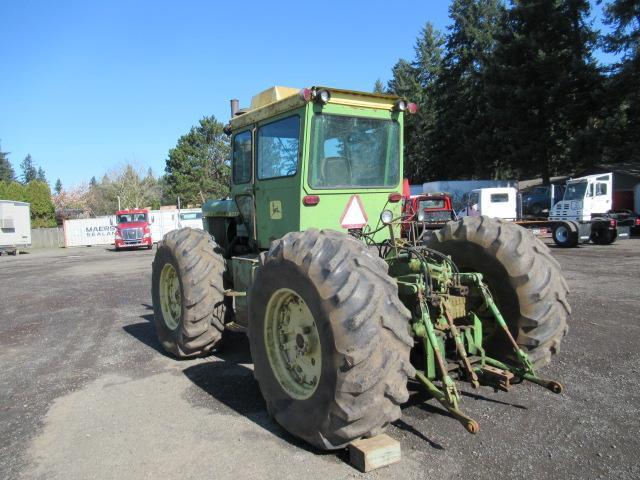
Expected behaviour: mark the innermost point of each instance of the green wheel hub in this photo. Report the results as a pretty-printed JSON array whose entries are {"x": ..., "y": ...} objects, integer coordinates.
[
  {"x": 170, "y": 296},
  {"x": 293, "y": 345}
]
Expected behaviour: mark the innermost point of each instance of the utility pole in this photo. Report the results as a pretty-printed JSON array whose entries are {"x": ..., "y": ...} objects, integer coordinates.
[{"x": 119, "y": 203}]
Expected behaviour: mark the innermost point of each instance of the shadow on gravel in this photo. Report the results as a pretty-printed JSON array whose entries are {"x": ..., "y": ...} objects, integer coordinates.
[
  {"x": 145, "y": 332},
  {"x": 402, "y": 425},
  {"x": 233, "y": 385},
  {"x": 477, "y": 396}
]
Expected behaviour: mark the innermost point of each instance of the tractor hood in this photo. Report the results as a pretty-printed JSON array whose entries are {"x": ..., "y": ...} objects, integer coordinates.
[{"x": 220, "y": 208}]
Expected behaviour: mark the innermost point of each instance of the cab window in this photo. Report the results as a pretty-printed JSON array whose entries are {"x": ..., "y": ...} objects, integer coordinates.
[
  {"x": 601, "y": 189},
  {"x": 278, "y": 146},
  {"x": 242, "y": 157},
  {"x": 499, "y": 197}
]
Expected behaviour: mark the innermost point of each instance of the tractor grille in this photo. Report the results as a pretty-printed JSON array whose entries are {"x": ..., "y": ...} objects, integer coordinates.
[{"x": 132, "y": 234}]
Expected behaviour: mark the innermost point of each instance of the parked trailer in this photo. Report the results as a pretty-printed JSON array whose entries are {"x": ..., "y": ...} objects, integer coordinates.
[
  {"x": 15, "y": 226},
  {"x": 581, "y": 216}
]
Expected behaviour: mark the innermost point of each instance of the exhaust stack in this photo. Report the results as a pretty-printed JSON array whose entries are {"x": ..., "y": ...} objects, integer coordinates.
[{"x": 235, "y": 106}]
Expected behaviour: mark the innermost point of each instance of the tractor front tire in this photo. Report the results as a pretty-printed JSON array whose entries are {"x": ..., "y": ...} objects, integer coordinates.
[
  {"x": 525, "y": 280},
  {"x": 329, "y": 338},
  {"x": 188, "y": 293}
]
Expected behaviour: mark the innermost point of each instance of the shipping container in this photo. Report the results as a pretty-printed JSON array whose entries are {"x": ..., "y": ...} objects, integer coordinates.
[{"x": 90, "y": 231}]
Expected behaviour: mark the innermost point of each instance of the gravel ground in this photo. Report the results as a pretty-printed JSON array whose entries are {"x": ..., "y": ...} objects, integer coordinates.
[{"x": 85, "y": 391}]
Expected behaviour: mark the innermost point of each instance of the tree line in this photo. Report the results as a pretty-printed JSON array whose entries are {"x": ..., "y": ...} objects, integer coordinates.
[
  {"x": 31, "y": 187},
  {"x": 512, "y": 90}
]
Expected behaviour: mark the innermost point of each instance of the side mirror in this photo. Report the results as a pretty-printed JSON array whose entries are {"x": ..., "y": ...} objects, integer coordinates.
[{"x": 111, "y": 222}]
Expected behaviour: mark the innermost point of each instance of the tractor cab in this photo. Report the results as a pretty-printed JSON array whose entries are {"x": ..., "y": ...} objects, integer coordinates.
[{"x": 316, "y": 157}]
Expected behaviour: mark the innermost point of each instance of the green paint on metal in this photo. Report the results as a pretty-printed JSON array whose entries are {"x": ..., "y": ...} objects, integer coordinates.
[
  {"x": 170, "y": 296},
  {"x": 243, "y": 269},
  {"x": 220, "y": 208},
  {"x": 293, "y": 344}
]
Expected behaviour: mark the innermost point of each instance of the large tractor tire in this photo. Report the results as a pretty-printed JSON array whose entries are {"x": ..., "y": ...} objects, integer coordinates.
[
  {"x": 525, "y": 281},
  {"x": 188, "y": 293},
  {"x": 329, "y": 337}
]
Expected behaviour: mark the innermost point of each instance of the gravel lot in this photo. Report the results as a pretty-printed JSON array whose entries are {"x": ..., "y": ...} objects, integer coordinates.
[{"x": 86, "y": 392}]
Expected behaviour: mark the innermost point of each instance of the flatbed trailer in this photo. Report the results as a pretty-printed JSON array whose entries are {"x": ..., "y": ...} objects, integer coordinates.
[{"x": 570, "y": 233}]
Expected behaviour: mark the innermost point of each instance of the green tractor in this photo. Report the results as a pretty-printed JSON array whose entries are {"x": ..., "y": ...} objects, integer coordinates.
[{"x": 342, "y": 312}]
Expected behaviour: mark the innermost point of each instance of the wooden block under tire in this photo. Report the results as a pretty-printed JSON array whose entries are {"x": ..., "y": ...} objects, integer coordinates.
[{"x": 370, "y": 453}]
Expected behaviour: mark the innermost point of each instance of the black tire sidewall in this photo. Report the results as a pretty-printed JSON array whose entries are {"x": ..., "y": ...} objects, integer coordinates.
[
  {"x": 304, "y": 418},
  {"x": 167, "y": 337}
]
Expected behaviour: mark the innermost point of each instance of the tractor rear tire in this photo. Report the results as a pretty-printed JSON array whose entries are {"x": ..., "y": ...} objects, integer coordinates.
[
  {"x": 358, "y": 334},
  {"x": 525, "y": 280},
  {"x": 188, "y": 293}
]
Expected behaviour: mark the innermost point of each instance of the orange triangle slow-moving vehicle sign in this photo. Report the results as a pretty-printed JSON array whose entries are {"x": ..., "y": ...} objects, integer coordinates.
[{"x": 354, "y": 215}]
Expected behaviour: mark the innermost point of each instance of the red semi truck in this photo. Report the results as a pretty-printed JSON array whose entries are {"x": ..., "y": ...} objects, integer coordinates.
[{"x": 133, "y": 229}]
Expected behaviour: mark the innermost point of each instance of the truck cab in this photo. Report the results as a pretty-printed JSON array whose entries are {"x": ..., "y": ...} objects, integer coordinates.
[
  {"x": 498, "y": 202},
  {"x": 133, "y": 229},
  {"x": 584, "y": 199}
]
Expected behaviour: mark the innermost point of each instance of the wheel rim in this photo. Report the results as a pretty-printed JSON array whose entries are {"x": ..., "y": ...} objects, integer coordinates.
[
  {"x": 562, "y": 234},
  {"x": 170, "y": 296},
  {"x": 293, "y": 345}
]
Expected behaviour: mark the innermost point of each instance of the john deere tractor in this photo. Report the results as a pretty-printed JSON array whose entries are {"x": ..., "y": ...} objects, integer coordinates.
[{"x": 342, "y": 312}]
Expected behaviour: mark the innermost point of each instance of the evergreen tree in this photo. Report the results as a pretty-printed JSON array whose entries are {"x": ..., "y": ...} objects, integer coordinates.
[
  {"x": 38, "y": 194},
  {"x": 544, "y": 89},
  {"x": 621, "y": 116},
  {"x": 464, "y": 126},
  {"x": 198, "y": 167},
  {"x": 7, "y": 174},
  {"x": 58, "y": 187},
  {"x": 40, "y": 175},
  {"x": 378, "y": 87},
  {"x": 29, "y": 171},
  {"x": 93, "y": 182},
  {"x": 416, "y": 82}
]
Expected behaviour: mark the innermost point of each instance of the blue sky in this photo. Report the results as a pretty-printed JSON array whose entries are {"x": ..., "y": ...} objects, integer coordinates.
[{"x": 86, "y": 86}]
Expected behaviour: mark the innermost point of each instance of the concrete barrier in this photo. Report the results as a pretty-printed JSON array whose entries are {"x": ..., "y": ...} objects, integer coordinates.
[{"x": 47, "y": 237}]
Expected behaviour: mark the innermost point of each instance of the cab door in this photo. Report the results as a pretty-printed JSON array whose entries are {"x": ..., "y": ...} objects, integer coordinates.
[
  {"x": 242, "y": 147},
  {"x": 602, "y": 194},
  {"x": 277, "y": 176}
]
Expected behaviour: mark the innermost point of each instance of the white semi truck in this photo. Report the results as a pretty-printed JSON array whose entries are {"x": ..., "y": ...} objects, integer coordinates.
[
  {"x": 581, "y": 216},
  {"x": 15, "y": 226}
]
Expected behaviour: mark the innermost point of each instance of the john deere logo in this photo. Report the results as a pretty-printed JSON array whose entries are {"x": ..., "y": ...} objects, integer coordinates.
[{"x": 275, "y": 209}]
